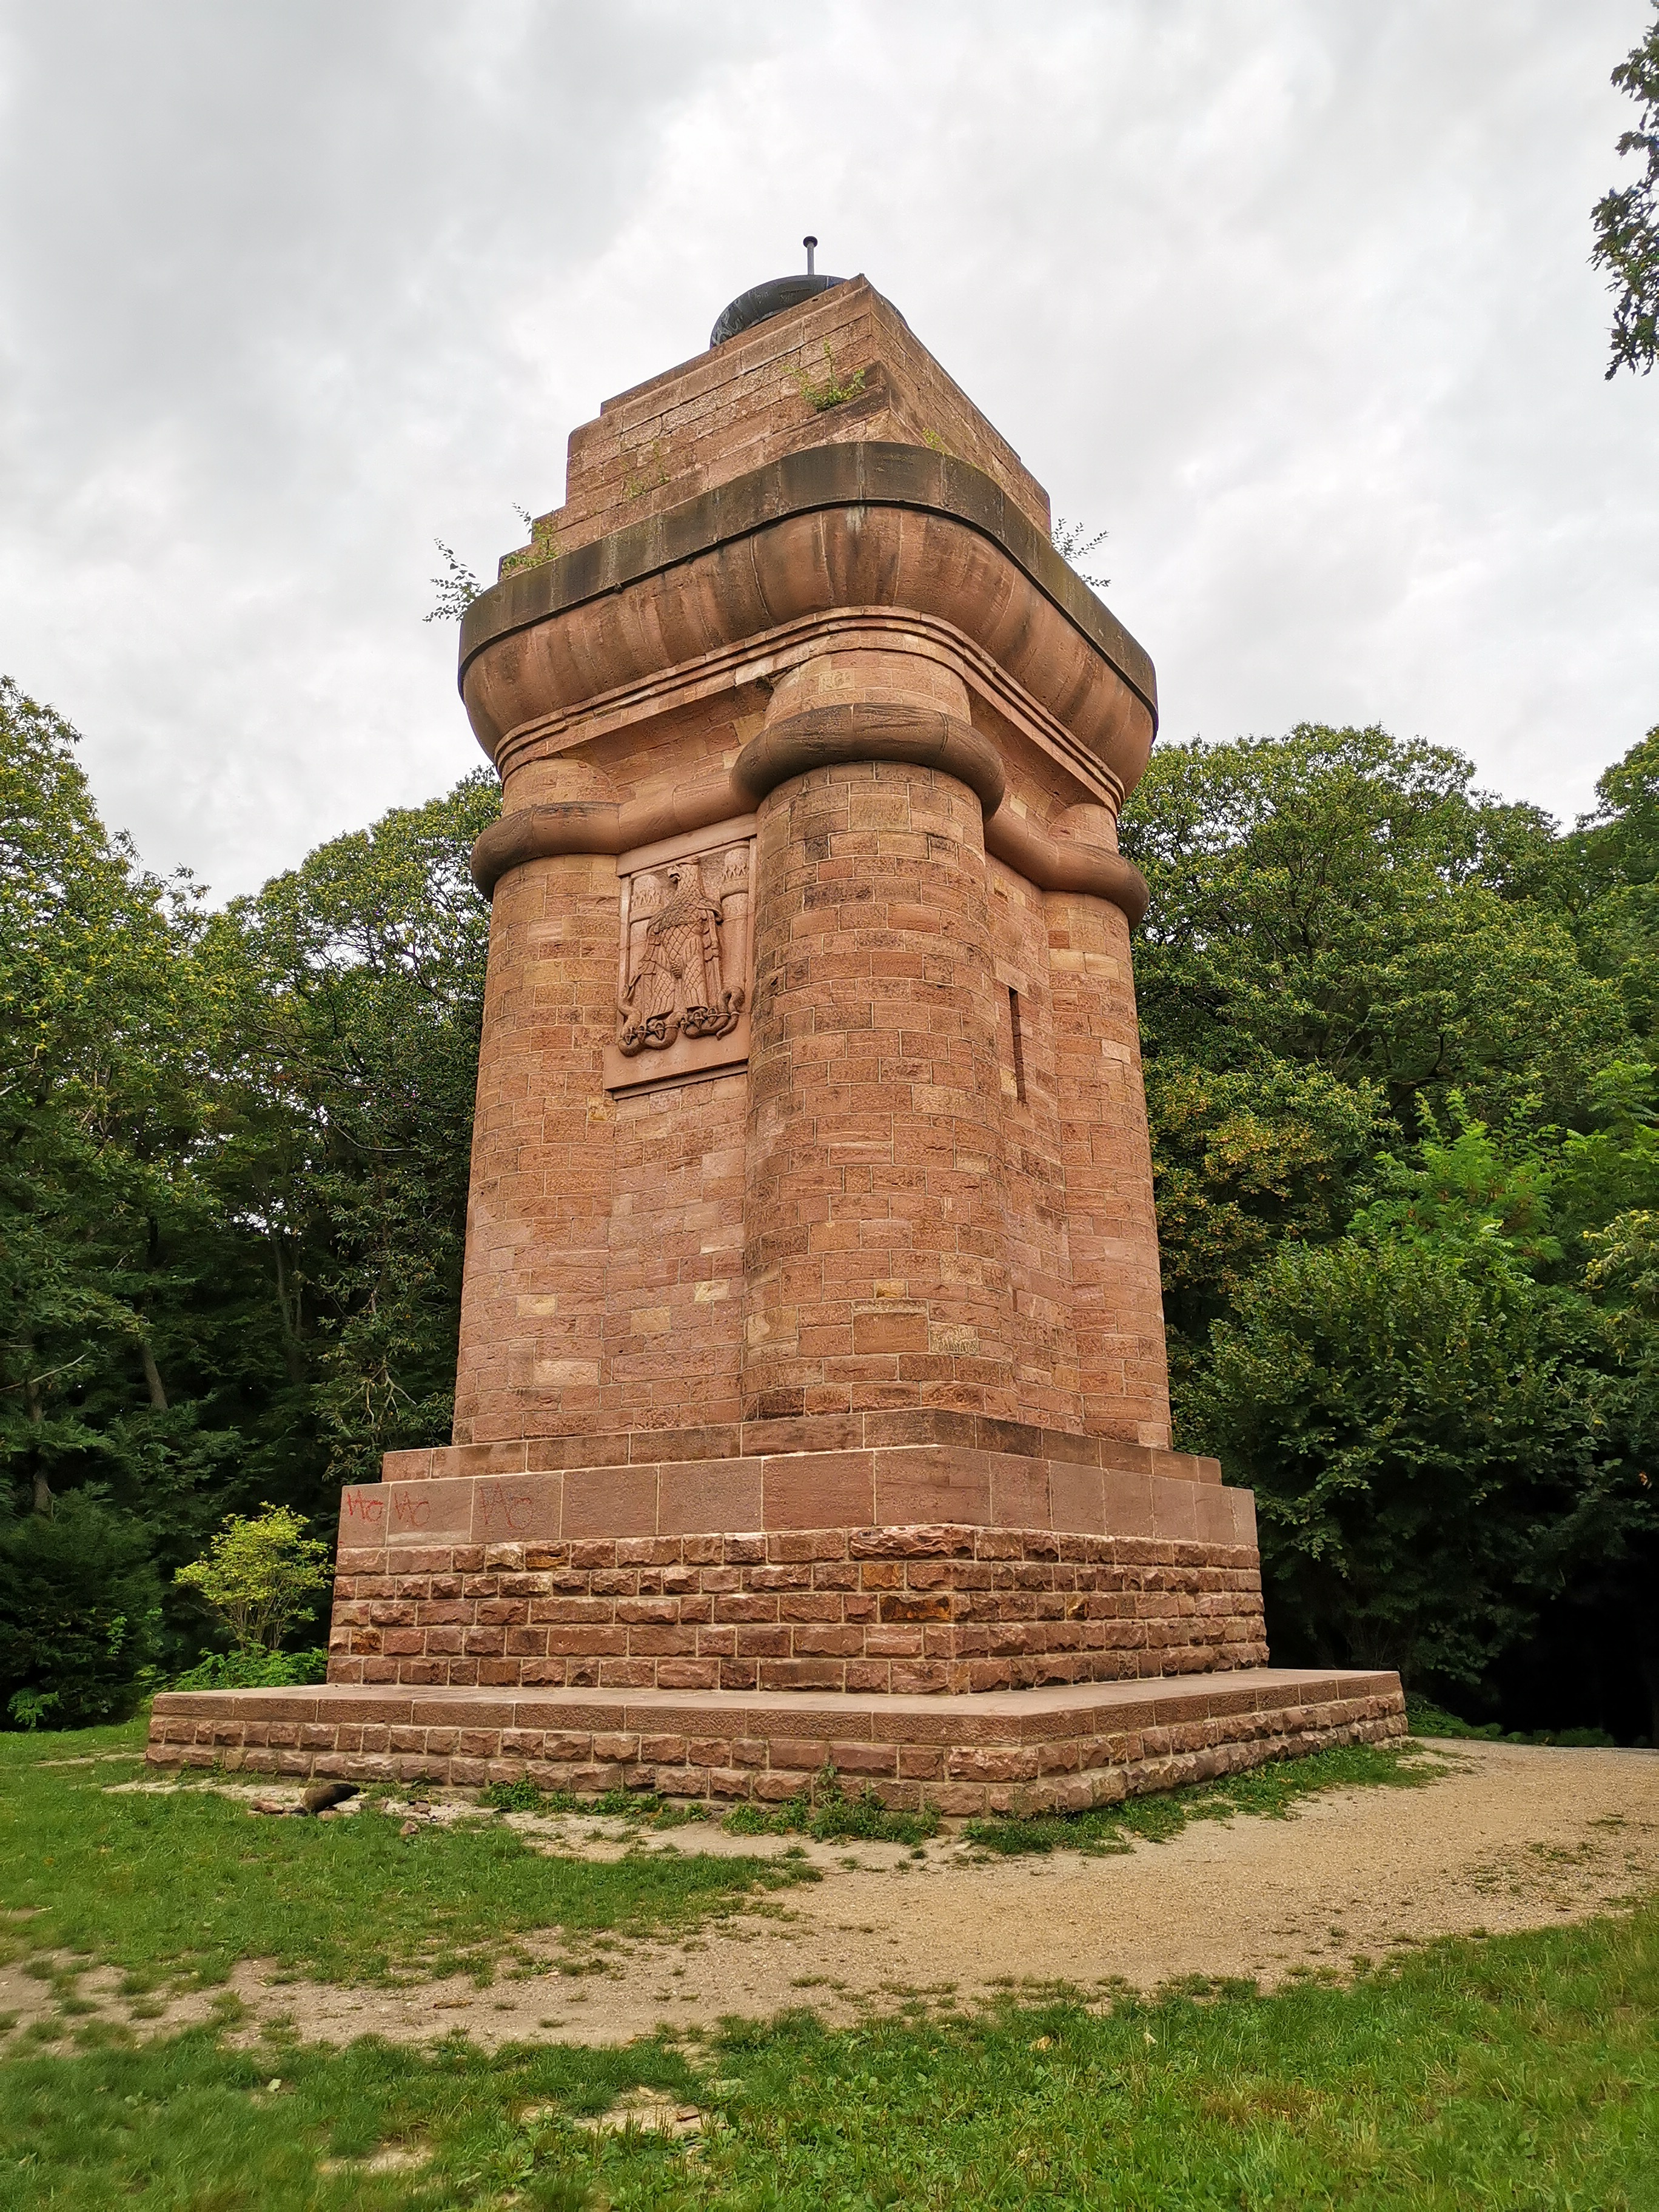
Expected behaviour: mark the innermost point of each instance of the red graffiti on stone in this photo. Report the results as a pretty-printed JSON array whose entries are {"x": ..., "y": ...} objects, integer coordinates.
[
  {"x": 365, "y": 1505},
  {"x": 511, "y": 1508},
  {"x": 412, "y": 1512}
]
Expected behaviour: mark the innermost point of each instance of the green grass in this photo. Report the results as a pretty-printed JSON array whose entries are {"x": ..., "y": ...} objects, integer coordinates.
[
  {"x": 1273, "y": 1792},
  {"x": 643, "y": 1807},
  {"x": 823, "y": 1811},
  {"x": 190, "y": 2126},
  {"x": 178, "y": 1886},
  {"x": 1522, "y": 2072}
]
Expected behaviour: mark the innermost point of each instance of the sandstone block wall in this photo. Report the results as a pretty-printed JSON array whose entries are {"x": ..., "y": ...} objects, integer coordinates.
[
  {"x": 700, "y": 424},
  {"x": 929, "y": 1182},
  {"x": 893, "y": 1611}
]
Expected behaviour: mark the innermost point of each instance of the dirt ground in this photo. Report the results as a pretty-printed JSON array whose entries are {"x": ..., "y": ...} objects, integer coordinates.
[{"x": 1506, "y": 1836}]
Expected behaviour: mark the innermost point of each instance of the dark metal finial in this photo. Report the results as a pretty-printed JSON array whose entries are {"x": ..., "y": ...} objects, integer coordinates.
[{"x": 772, "y": 297}]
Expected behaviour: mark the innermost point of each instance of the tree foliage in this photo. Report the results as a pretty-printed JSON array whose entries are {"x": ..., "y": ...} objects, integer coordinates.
[
  {"x": 349, "y": 1099},
  {"x": 1628, "y": 220},
  {"x": 1396, "y": 1038},
  {"x": 260, "y": 1573},
  {"x": 233, "y": 1160},
  {"x": 80, "y": 1614},
  {"x": 1439, "y": 1436}
]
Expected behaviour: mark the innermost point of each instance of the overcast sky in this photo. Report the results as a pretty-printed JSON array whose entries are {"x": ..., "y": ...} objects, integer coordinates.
[{"x": 1290, "y": 295}]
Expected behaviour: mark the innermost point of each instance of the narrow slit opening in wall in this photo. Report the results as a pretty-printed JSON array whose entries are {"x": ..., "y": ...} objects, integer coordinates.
[{"x": 1019, "y": 1045}]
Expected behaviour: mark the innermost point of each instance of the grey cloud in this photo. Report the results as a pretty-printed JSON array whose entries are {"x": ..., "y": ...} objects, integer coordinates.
[{"x": 1292, "y": 298}]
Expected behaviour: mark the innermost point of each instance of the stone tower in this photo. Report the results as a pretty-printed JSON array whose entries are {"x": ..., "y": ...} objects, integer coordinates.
[{"x": 811, "y": 1401}]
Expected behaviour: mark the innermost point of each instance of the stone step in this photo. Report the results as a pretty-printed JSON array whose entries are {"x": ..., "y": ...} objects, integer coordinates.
[{"x": 1060, "y": 1748}]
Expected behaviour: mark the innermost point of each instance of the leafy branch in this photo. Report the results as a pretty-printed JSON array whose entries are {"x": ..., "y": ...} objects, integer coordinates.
[
  {"x": 456, "y": 587},
  {"x": 1627, "y": 223},
  {"x": 1072, "y": 541}
]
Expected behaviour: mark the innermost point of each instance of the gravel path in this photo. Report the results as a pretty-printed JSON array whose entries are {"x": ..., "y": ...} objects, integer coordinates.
[{"x": 1507, "y": 1837}]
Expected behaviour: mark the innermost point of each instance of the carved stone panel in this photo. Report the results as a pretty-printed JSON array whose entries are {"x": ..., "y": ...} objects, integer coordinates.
[{"x": 684, "y": 979}]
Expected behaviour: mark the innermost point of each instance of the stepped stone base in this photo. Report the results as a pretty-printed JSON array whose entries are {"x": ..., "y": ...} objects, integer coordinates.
[
  {"x": 907, "y": 1609},
  {"x": 1018, "y": 1751},
  {"x": 906, "y": 1466}
]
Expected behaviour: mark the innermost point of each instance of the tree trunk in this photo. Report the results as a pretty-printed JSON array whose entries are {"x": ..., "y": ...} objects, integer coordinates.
[
  {"x": 158, "y": 1396},
  {"x": 287, "y": 1305},
  {"x": 37, "y": 1413}
]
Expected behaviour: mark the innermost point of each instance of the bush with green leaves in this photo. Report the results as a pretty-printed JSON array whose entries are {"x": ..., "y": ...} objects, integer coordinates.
[
  {"x": 80, "y": 1614},
  {"x": 259, "y": 1572},
  {"x": 1438, "y": 1435},
  {"x": 253, "y": 1670}
]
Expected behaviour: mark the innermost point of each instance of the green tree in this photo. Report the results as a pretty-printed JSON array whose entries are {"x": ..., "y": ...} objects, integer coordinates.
[
  {"x": 1608, "y": 881},
  {"x": 355, "y": 1065},
  {"x": 80, "y": 1614},
  {"x": 1337, "y": 898},
  {"x": 1342, "y": 932},
  {"x": 259, "y": 1575},
  {"x": 1437, "y": 1438},
  {"x": 1627, "y": 221},
  {"x": 1396, "y": 1342},
  {"x": 234, "y": 1156},
  {"x": 1244, "y": 1159},
  {"x": 108, "y": 1227}
]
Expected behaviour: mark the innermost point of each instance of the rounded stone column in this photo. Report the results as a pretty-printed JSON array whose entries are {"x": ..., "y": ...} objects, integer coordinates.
[
  {"x": 874, "y": 1248},
  {"x": 1117, "y": 1303},
  {"x": 538, "y": 1217}
]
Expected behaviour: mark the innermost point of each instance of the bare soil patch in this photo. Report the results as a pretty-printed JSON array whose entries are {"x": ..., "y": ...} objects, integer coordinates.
[{"x": 1509, "y": 1837}]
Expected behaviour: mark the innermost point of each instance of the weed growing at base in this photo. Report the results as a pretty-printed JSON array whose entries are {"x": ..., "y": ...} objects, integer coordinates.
[
  {"x": 643, "y": 1807},
  {"x": 177, "y": 1885},
  {"x": 822, "y": 1810},
  {"x": 1273, "y": 1792},
  {"x": 1523, "y": 2071}
]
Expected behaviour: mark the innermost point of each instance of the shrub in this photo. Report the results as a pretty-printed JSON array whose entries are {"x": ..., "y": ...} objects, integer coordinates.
[
  {"x": 80, "y": 1615},
  {"x": 258, "y": 1575},
  {"x": 253, "y": 1670}
]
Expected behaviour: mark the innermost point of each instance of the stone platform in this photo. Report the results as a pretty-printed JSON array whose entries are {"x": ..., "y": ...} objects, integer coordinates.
[{"x": 1020, "y": 1751}]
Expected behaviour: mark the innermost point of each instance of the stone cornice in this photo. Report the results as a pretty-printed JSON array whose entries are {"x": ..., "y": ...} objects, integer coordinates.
[
  {"x": 784, "y": 538},
  {"x": 863, "y": 475}
]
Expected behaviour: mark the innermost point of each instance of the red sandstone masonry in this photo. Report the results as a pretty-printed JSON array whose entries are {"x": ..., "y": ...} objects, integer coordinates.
[
  {"x": 848, "y": 1471},
  {"x": 1035, "y": 1751},
  {"x": 877, "y": 1273},
  {"x": 700, "y": 424},
  {"x": 888, "y": 1611},
  {"x": 1117, "y": 1305},
  {"x": 868, "y": 1217}
]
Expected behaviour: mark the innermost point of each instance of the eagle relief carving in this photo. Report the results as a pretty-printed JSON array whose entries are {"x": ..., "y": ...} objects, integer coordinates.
[{"x": 685, "y": 957}]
